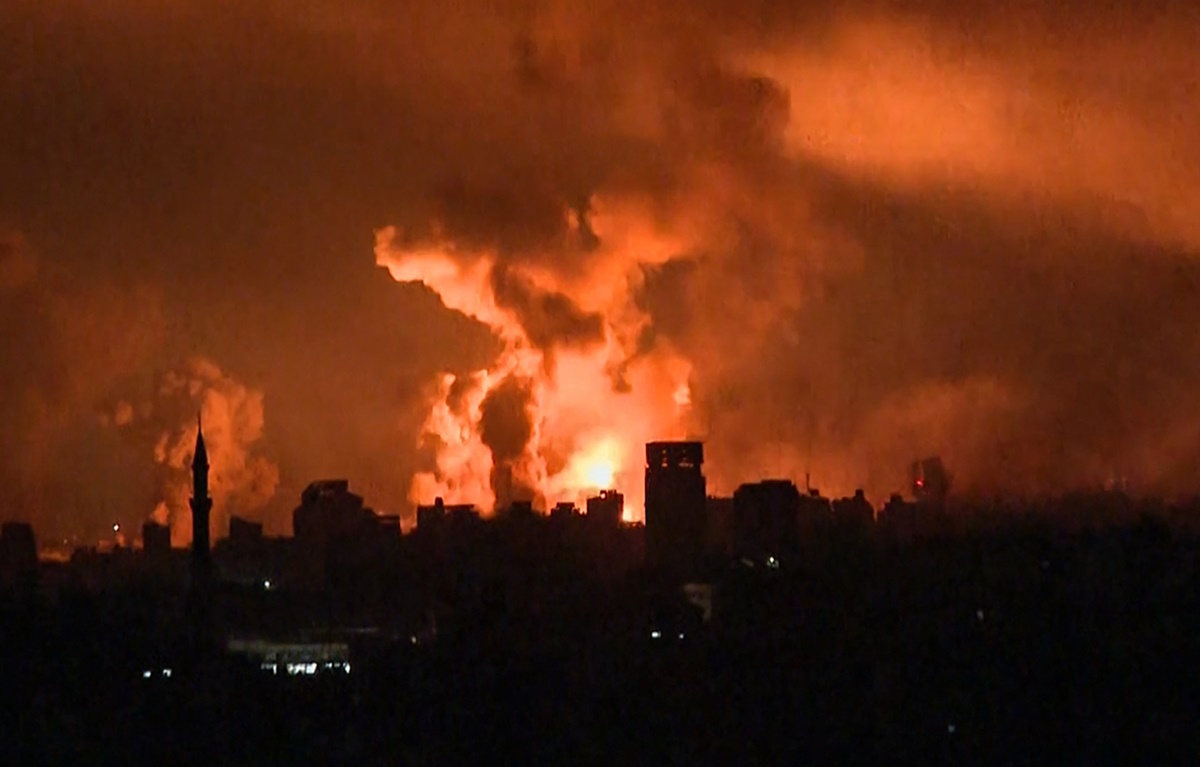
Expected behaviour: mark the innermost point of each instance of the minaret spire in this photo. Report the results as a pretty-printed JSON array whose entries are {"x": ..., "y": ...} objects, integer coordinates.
[
  {"x": 200, "y": 609},
  {"x": 201, "y": 503}
]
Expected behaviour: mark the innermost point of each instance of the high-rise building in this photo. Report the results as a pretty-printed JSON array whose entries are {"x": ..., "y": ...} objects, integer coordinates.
[{"x": 676, "y": 501}]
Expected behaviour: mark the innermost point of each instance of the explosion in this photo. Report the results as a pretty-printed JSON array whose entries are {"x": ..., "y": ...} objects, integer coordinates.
[{"x": 567, "y": 406}]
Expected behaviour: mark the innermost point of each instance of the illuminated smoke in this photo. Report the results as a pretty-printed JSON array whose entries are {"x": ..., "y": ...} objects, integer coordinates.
[
  {"x": 241, "y": 480},
  {"x": 843, "y": 239},
  {"x": 856, "y": 231},
  {"x": 564, "y": 410}
]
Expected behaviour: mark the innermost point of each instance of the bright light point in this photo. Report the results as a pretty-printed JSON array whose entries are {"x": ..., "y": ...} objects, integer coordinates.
[
  {"x": 116, "y": 528},
  {"x": 681, "y": 636},
  {"x": 656, "y": 634},
  {"x": 145, "y": 675},
  {"x": 600, "y": 474},
  {"x": 594, "y": 467},
  {"x": 267, "y": 585},
  {"x": 773, "y": 562}
]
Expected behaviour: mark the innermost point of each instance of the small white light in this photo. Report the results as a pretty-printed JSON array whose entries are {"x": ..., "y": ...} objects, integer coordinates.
[
  {"x": 773, "y": 562},
  {"x": 167, "y": 672},
  {"x": 950, "y": 728},
  {"x": 267, "y": 585},
  {"x": 979, "y": 615},
  {"x": 145, "y": 675},
  {"x": 656, "y": 634},
  {"x": 116, "y": 528},
  {"x": 681, "y": 635}
]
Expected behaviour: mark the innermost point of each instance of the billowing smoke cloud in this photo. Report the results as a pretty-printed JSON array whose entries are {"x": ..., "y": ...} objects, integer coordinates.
[
  {"x": 78, "y": 347},
  {"x": 866, "y": 236},
  {"x": 826, "y": 238},
  {"x": 241, "y": 479}
]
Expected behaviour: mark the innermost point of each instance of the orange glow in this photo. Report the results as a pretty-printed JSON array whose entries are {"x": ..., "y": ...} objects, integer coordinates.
[
  {"x": 595, "y": 468},
  {"x": 587, "y": 434},
  {"x": 600, "y": 474}
]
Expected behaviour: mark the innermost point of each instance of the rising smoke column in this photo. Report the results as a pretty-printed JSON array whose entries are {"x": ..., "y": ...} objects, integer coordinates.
[
  {"x": 241, "y": 479},
  {"x": 880, "y": 233},
  {"x": 591, "y": 369},
  {"x": 566, "y": 406}
]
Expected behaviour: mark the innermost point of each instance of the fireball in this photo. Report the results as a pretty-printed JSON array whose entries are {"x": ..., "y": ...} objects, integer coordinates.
[{"x": 558, "y": 422}]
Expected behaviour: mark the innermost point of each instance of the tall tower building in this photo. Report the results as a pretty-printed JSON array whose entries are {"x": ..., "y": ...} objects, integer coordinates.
[
  {"x": 676, "y": 507},
  {"x": 201, "y": 504}
]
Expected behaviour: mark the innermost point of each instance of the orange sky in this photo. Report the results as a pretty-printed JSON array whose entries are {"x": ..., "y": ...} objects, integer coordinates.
[{"x": 859, "y": 232}]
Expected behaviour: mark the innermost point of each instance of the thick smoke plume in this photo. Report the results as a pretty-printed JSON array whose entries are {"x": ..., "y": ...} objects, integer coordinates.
[
  {"x": 241, "y": 479},
  {"x": 555, "y": 417},
  {"x": 81, "y": 439},
  {"x": 848, "y": 239},
  {"x": 840, "y": 236}
]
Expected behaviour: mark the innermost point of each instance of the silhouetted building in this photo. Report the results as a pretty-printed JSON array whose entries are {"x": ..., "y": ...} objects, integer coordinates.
[
  {"x": 856, "y": 511},
  {"x": 606, "y": 509},
  {"x": 564, "y": 510},
  {"x": 439, "y": 515},
  {"x": 816, "y": 513},
  {"x": 201, "y": 504},
  {"x": 431, "y": 516},
  {"x": 676, "y": 506},
  {"x": 328, "y": 510},
  {"x": 334, "y": 529},
  {"x": 520, "y": 510},
  {"x": 18, "y": 554},
  {"x": 156, "y": 541},
  {"x": 930, "y": 482},
  {"x": 244, "y": 534},
  {"x": 766, "y": 520},
  {"x": 898, "y": 520},
  {"x": 720, "y": 525}
]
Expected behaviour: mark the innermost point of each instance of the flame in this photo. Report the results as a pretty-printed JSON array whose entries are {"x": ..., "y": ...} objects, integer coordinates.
[
  {"x": 595, "y": 466},
  {"x": 585, "y": 433}
]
